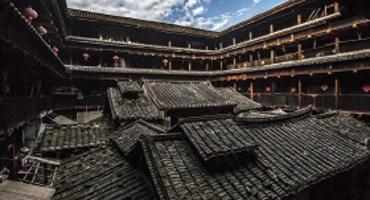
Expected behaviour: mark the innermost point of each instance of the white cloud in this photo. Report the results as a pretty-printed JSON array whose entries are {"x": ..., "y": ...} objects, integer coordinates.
[
  {"x": 182, "y": 12},
  {"x": 142, "y": 9}
]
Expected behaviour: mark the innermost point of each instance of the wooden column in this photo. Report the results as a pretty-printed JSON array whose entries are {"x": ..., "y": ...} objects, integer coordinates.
[
  {"x": 235, "y": 85},
  {"x": 251, "y": 58},
  {"x": 170, "y": 65},
  {"x": 189, "y": 45},
  {"x": 234, "y": 62},
  {"x": 299, "y": 19},
  {"x": 234, "y": 41},
  {"x": 272, "y": 56},
  {"x": 271, "y": 28},
  {"x": 250, "y": 35},
  {"x": 207, "y": 66},
  {"x": 336, "y": 92},
  {"x": 299, "y": 93},
  {"x": 299, "y": 52},
  {"x": 337, "y": 45},
  {"x": 221, "y": 65},
  {"x": 220, "y": 45},
  {"x": 170, "y": 43},
  {"x": 71, "y": 57},
  {"x": 251, "y": 86},
  {"x": 189, "y": 66}
]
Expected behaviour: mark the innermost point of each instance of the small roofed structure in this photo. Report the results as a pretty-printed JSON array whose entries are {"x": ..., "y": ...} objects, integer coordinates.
[
  {"x": 187, "y": 98},
  {"x": 128, "y": 103},
  {"x": 217, "y": 140}
]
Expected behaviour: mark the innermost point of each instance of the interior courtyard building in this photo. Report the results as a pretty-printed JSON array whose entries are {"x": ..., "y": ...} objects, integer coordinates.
[{"x": 94, "y": 106}]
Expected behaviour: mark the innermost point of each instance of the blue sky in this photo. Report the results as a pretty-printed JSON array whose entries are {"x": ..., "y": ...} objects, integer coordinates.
[{"x": 206, "y": 14}]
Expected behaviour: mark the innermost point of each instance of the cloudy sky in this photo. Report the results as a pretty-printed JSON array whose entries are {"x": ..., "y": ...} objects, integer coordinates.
[{"x": 207, "y": 14}]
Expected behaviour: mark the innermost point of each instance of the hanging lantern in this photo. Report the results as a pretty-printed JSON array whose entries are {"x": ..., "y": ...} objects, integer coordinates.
[
  {"x": 30, "y": 13},
  {"x": 366, "y": 88},
  {"x": 55, "y": 50},
  {"x": 165, "y": 62},
  {"x": 115, "y": 58},
  {"x": 293, "y": 90},
  {"x": 86, "y": 56},
  {"x": 268, "y": 89},
  {"x": 324, "y": 88},
  {"x": 42, "y": 30}
]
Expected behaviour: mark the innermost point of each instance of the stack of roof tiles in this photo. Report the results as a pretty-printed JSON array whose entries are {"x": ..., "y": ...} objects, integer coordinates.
[
  {"x": 185, "y": 95},
  {"x": 101, "y": 173},
  {"x": 59, "y": 138},
  {"x": 131, "y": 108}
]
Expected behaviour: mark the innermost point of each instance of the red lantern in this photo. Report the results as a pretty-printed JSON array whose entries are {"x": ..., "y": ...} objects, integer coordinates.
[
  {"x": 324, "y": 88},
  {"x": 115, "y": 58},
  {"x": 30, "y": 13},
  {"x": 42, "y": 30},
  {"x": 366, "y": 88},
  {"x": 55, "y": 50},
  {"x": 86, "y": 56},
  {"x": 268, "y": 89}
]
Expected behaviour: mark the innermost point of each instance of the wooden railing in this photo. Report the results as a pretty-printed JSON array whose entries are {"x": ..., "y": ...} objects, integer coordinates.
[{"x": 356, "y": 103}]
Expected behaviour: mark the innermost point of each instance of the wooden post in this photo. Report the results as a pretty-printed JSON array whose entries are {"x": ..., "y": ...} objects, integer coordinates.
[
  {"x": 70, "y": 57},
  {"x": 337, "y": 45},
  {"x": 170, "y": 65},
  {"x": 234, "y": 62},
  {"x": 207, "y": 47},
  {"x": 234, "y": 41},
  {"x": 299, "y": 51},
  {"x": 221, "y": 65},
  {"x": 299, "y": 19},
  {"x": 272, "y": 56},
  {"x": 100, "y": 59},
  {"x": 250, "y": 58},
  {"x": 189, "y": 45},
  {"x": 258, "y": 56},
  {"x": 189, "y": 66},
  {"x": 271, "y": 28},
  {"x": 336, "y": 92},
  {"x": 207, "y": 66},
  {"x": 235, "y": 85},
  {"x": 251, "y": 86},
  {"x": 170, "y": 43},
  {"x": 220, "y": 45},
  {"x": 314, "y": 45},
  {"x": 250, "y": 35},
  {"x": 299, "y": 93}
]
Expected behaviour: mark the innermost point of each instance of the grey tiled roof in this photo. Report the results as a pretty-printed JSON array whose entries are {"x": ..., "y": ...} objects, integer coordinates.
[
  {"x": 348, "y": 127},
  {"x": 59, "y": 138},
  {"x": 131, "y": 109},
  {"x": 128, "y": 136},
  {"x": 129, "y": 87},
  {"x": 183, "y": 95},
  {"x": 100, "y": 173},
  {"x": 292, "y": 155},
  {"x": 215, "y": 139},
  {"x": 244, "y": 103}
]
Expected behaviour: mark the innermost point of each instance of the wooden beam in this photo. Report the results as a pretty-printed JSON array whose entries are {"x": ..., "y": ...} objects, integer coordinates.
[
  {"x": 251, "y": 88},
  {"x": 336, "y": 92},
  {"x": 299, "y": 93}
]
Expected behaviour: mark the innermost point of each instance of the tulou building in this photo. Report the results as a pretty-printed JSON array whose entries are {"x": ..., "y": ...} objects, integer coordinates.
[{"x": 94, "y": 106}]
